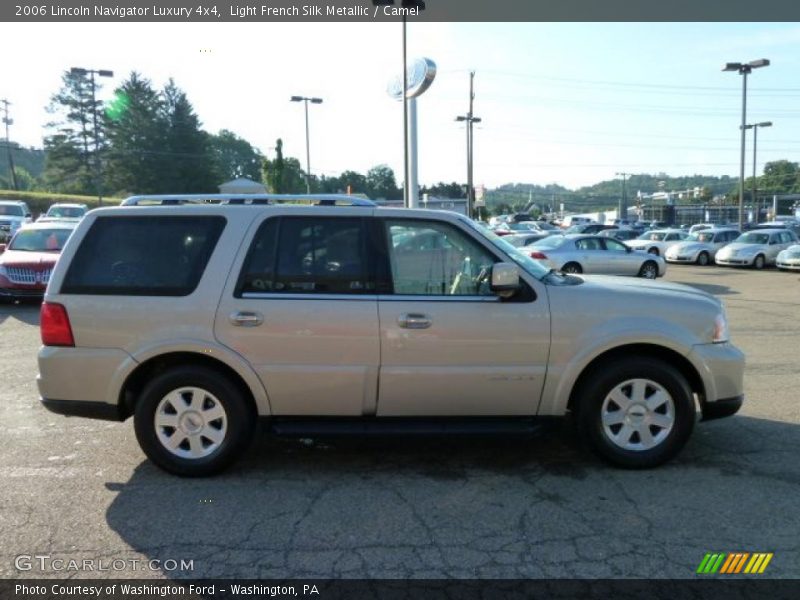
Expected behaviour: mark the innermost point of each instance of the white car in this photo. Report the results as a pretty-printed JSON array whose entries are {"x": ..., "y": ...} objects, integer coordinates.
[
  {"x": 64, "y": 211},
  {"x": 756, "y": 248},
  {"x": 789, "y": 259},
  {"x": 701, "y": 246},
  {"x": 657, "y": 241}
]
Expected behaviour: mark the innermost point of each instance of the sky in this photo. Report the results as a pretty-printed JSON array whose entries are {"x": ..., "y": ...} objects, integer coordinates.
[{"x": 566, "y": 103}]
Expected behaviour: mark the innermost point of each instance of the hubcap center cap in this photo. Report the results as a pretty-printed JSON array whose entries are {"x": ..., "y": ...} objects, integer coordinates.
[
  {"x": 636, "y": 414},
  {"x": 191, "y": 422}
]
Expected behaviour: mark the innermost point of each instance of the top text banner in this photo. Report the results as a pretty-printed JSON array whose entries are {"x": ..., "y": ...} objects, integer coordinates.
[{"x": 435, "y": 10}]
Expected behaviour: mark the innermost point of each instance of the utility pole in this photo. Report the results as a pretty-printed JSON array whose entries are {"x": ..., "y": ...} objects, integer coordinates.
[
  {"x": 8, "y": 122},
  {"x": 623, "y": 203},
  {"x": 470, "y": 119}
]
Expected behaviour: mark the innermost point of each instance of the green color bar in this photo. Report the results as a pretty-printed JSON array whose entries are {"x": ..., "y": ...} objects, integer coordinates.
[
  {"x": 703, "y": 564},
  {"x": 718, "y": 564}
]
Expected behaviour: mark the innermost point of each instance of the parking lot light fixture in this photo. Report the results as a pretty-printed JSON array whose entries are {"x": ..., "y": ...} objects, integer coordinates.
[
  {"x": 305, "y": 100},
  {"x": 97, "y": 163},
  {"x": 744, "y": 69},
  {"x": 754, "y": 127}
]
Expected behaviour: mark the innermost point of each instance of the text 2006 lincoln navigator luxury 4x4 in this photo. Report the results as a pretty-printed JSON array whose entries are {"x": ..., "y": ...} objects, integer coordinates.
[{"x": 196, "y": 319}]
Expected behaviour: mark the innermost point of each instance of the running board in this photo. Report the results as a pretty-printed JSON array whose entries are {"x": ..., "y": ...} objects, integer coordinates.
[{"x": 430, "y": 426}]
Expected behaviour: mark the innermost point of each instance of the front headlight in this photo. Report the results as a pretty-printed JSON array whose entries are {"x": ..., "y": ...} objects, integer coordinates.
[{"x": 721, "y": 328}]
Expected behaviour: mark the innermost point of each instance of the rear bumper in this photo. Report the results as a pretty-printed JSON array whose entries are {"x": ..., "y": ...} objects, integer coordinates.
[
  {"x": 725, "y": 407},
  {"x": 82, "y": 408}
]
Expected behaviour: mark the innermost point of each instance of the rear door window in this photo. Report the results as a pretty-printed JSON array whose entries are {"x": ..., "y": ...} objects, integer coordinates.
[{"x": 143, "y": 256}]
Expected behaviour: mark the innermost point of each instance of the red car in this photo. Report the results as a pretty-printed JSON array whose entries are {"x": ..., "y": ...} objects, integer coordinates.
[{"x": 29, "y": 258}]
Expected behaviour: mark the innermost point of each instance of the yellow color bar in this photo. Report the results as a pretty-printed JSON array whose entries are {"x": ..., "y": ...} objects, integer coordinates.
[
  {"x": 766, "y": 562},
  {"x": 755, "y": 560}
]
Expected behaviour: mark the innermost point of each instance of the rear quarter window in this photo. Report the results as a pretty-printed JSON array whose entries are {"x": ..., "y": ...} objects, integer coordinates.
[{"x": 143, "y": 256}]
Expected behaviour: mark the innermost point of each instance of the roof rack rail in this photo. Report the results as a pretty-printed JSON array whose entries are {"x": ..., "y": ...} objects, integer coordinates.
[{"x": 247, "y": 199}]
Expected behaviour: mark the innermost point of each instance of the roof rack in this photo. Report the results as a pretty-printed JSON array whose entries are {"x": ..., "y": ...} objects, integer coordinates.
[{"x": 246, "y": 199}]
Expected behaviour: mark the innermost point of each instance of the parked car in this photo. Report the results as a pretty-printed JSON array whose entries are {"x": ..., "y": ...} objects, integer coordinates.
[
  {"x": 595, "y": 254},
  {"x": 657, "y": 241},
  {"x": 64, "y": 211},
  {"x": 789, "y": 259},
  {"x": 756, "y": 249},
  {"x": 520, "y": 240},
  {"x": 28, "y": 260},
  {"x": 13, "y": 215},
  {"x": 571, "y": 220},
  {"x": 658, "y": 225},
  {"x": 589, "y": 228},
  {"x": 309, "y": 318},
  {"x": 623, "y": 235},
  {"x": 512, "y": 227},
  {"x": 701, "y": 246},
  {"x": 701, "y": 226}
]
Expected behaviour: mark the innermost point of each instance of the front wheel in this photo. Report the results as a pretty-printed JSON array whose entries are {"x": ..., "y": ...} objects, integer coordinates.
[
  {"x": 654, "y": 251},
  {"x": 649, "y": 270},
  {"x": 638, "y": 413},
  {"x": 702, "y": 259},
  {"x": 572, "y": 267},
  {"x": 192, "y": 421},
  {"x": 759, "y": 262}
]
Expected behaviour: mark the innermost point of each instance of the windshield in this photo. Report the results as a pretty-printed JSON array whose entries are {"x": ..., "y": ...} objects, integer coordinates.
[
  {"x": 526, "y": 262},
  {"x": 700, "y": 236},
  {"x": 544, "y": 226},
  {"x": 553, "y": 241},
  {"x": 40, "y": 240},
  {"x": 11, "y": 210},
  {"x": 68, "y": 212},
  {"x": 753, "y": 238},
  {"x": 652, "y": 236}
]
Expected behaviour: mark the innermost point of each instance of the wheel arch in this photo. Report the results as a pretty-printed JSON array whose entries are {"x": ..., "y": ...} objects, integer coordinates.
[
  {"x": 144, "y": 371},
  {"x": 680, "y": 362}
]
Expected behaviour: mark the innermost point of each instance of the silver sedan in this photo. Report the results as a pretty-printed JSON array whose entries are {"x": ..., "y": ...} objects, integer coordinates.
[
  {"x": 595, "y": 254},
  {"x": 701, "y": 246},
  {"x": 789, "y": 259}
]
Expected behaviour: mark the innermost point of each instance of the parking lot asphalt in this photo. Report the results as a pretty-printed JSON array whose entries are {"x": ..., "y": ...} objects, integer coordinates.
[{"x": 74, "y": 489}]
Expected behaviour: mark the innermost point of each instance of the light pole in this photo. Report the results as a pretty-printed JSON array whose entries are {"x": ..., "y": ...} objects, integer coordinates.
[
  {"x": 470, "y": 120},
  {"x": 623, "y": 203},
  {"x": 308, "y": 151},
  {"x": 744, "y": 69},
  {"x": 97, "y": 164},
  {"x": 754, "y": 127}
]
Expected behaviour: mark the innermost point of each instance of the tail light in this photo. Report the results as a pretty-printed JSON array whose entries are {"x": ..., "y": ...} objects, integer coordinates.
[
  {"x": 538, "y": 255},
  {"x": 55, "y": 327}
]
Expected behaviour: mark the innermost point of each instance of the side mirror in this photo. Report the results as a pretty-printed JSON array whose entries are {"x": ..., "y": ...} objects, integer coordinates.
[{"x": 505, "y": 279}]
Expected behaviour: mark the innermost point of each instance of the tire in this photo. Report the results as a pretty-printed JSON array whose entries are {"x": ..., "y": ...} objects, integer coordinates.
[
  {"x": 703, "y": 259},
  {"x": 671, "y": 418},
  {"x": 759, "y": 262},
  {"x": 210, "y": 415},
  {"x": 572, "y": 267},
  {"x": 649, "y": 270},
  {"x": 654, "y": 251}
]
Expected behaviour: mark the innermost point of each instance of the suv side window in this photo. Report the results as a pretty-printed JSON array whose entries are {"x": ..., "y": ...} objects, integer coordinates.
[
  {"x": 143, "y": 256},
  {"x": 430, "y": 258},
  {"x": 307, "y": 255}
]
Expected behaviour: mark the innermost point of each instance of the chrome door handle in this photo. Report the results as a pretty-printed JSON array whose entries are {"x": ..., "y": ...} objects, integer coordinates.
[
  {"x": 414, "y": 321},
  {"x": 246, "y": 319}
]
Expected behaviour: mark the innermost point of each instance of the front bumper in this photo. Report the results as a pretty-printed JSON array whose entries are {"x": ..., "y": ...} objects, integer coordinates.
[
  {"x": 680, "y": 259},
  {"x": 792, "y": 264},
  {"x": 22, "y": 292},
  {"x": 735, "y": 261},
  {"x": 81, "y": 408},
  {"x": 721, "y": 367}
]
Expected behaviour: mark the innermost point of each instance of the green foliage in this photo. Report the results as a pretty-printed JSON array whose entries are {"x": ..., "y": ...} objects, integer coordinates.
[
  {"x": 381, "y": 183},
  {"x": 780, "y": 177},
  {"x": 283, "y": 175},
  {"x": 445, "y": 190},
  {"x": 39, "y": 202},
  {"x": 234, "y": 157}
]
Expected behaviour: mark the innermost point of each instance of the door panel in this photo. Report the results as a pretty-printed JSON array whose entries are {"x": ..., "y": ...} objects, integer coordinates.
[{"x": 449, "y": 346}]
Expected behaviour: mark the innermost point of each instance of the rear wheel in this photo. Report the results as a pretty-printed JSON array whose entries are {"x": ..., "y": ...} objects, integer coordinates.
[
  {"x": 653, "y": 251},
  {"x": 637, "y": 413},
  {"x": 192, "y": 421},
  {"x": 649, "y": 270},
  {"x": 759, "y": 262},
  {"x": 572, "y": 267},
  {"x": 702, "y": 259}
]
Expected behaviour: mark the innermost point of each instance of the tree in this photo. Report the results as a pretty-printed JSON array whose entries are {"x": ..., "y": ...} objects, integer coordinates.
[
  {"x": 780, "y": 177},
  {"x": 188, "y": 166},
  {"x": 70, "y": 145},
  {"x": 381, "y": 183},
  {"x": 445, "y": 190},
  {"x": 137, "y": 133},
  {"x": 284, "y": 175},
  {"x": 234, "y": 157}
]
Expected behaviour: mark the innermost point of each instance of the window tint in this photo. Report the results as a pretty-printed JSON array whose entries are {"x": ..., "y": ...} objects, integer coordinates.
[
  {"x": 143, "y": 256},
  {"x": 308, "y": 256},
  {"x": 615, "y": 246},
  {"x": 589, "y": 244},
  {"x": 436, "y": 259}
]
